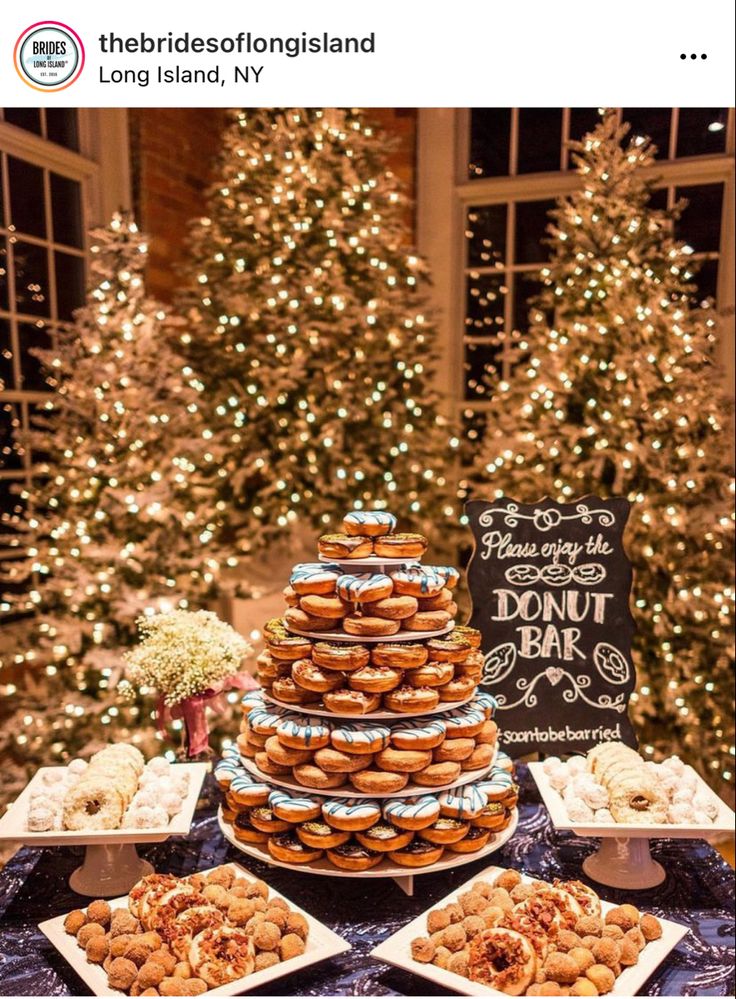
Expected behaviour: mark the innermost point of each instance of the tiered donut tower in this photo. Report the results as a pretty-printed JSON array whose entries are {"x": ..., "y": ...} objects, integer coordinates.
[{"x": 369, "y": 749}]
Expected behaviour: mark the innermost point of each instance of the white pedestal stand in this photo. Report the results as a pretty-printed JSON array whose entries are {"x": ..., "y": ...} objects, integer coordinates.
[
  {"x": 109, "y": 870},
  {"x": 624, "y": 862}
]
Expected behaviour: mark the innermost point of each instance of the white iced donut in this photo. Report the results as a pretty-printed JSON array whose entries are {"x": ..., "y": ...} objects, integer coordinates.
[
  {"x": 364, "y": 587},
  {"x": 464, "y": 802},
  {"x": 265, "y": 721},
  {"x": 418, "y": 580},
  {"x": 486, "y": 702},
  {"x": 361, "y": 738},
  {"x": 462, "y": 719},
  {"x": 425, "y": 735},
  {"x": 424, "y": 809},
  {"x": 303, "y": 732},
  {"x": 307, "y": 575},
  {"x": 496, "y": 785},
  {"x": 294, "y": 809},
  {"x": 504, "y": 762},
  {"x": 351, "y": 813},
  {"x": 449, "y": 573},
  {"x": 252, "y": 699},
  {"x": 369, "y": 522}
]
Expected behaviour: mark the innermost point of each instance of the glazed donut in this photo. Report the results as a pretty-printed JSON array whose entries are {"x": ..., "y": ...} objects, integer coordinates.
[
  {"x": 303, "y": 732},
  {"x": 403, "y": 761},
  {"x": 457, "y": 689},
  {"x": 418, "y": 853},
  {"x": 496, "y": 785},
  {"x": 440, "y": 601},
  {"x": 317, "y": 605},
  {"x": 378, "y": 782},
  {"x": 445, "y": 830},
  {"x": 465, "y": 722},
  {"x": 321, "y": 836},
  {"x": 374, "y": 627},
  {"x": 334, "y": 761},
  {"x": 467, "y": 634},
  {"x": 465, "y": 802},
  {"x": 310, "y": 775},
  {"x": 353, "y": 856},
  {"x": 455, "y": 750},
  {"x": 437, "y": 774},
  {"x": 285, "y": 756},
  {"x": 422, "y": 735},
  {"x": 246, "y": 790},
  {"x": 469, "y": 670},
  {"x": 265, "y": 721},
  {"x": 402, "y": 655},
  {"x": 289, "y": 647},
  {"x": 246, "y": 832},
  {"x": 363, "y": 587},
  {"x": 431, "y": 675},
  {"x": 411, "y": 699},
  {"x": 448, "y": 650},
  {"x": 94, "y": 802},
  {"x": 375, "y": 679},
  {"x": 486, "y": 702},
  {"x": 289, "y": 849},
  {"x": 266, "y": 765},
  {"x": 360, "y": 739},
  {"x": 370, "y": 523},
  {"x": 306, "y": 673},
  {"x": 418, "y": 581},
  {"x": 392, "y": 608},
  {"x": 472, "y": 664},
  {"x": 342, "y": 657},
  {"x": 492, "y": 817},
  {"x": 284, "y": 689},
  {"x": 220, "y": 954},
  {"x": 426, "y": 620},
  {"x": 266, "y": 820},
  {"x": 350, "y": 814},
  {"x": 294, "y": 809},
  {"x": 476, "y": 839},
  {"x": 344, "y": 546},
  {"x": 291, "y": 597},
  {"x": 297, "y": 618},
  {"x": 412, "y": 813},
  {"x": 351, "y": 702},
  {"x": 314, "y": 577},
  {"x": 502, "y": 959},
  {"x": 481, "y": 757},
  {"x": 383, "y": 837},
  {"x": 400, "y": 546}
]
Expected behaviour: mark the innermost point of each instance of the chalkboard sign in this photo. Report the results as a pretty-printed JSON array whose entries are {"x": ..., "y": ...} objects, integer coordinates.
[{"x": 550, "y": 585}]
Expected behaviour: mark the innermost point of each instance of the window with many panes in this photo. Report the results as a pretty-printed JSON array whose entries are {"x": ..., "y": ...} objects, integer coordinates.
[
  {"x": 508, "y": 166},
  {"x": 43, "y": 221}
]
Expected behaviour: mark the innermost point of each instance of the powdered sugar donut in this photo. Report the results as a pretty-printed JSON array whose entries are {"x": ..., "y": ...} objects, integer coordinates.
[
  {"x": 77, "y": 766},
  {"x": 418, "y": 580},
  {"x": 314, "y": 577},
  {"x": 369, "y": 523},
  {"x": 674, "y": 763},
  {"x": 551, "y": 764},
  {"x": 595, "y": 796},
  {"x": 576, "y": 765},
  {"x": 559, "y": 778},
  {"x": 701, "y": 818},
  {"x": 364, "y": 587},
  {"x": 40, "y": 818},
  {"x": 172, "y": 803},
  {"x": 602, "y": 815},
  {"x": 680, "y": 813},
  {"x": 54, "y": 775},
  {"x": 412, "y": 813},
  {"x": 704, "y": 803},
  {"x": 159, "y": 765},
  {"x": 578, "y": 811}
]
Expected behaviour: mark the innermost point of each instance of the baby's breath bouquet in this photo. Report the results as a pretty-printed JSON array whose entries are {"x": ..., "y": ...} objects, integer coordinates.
[{"x": 190, "y": 658}]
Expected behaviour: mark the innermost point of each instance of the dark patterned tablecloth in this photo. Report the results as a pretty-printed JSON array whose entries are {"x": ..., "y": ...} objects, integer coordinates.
[{"x": 698, "y": 892}]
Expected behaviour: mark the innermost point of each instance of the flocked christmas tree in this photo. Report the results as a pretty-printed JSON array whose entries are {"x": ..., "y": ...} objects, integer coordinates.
[
  {"x": 618, "y": 394},
  {"x": 123, "y": 515},
  {"x": 311, "y": 331}
]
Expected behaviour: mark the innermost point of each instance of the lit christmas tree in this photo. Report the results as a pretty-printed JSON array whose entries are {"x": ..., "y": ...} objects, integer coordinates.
[
  {"x": 122, "y": 517},
  {"x": 308, "y": 324},
  {"x": 617, "y": 395}
]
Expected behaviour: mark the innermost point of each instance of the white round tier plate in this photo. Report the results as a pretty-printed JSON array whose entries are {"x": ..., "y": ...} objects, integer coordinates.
[
  {"x": 307, "y": 709},
  {"x": 466, "y": 777},
  {"x": 385, "y": 869},
  {"x": 343, "y": 636},
  {"x": 372, "y": 562}
]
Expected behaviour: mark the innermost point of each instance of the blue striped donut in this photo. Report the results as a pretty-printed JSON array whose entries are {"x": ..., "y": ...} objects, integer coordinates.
[
  {"x": 363, "y": 586},
  {"x": 426, "y": 807}
]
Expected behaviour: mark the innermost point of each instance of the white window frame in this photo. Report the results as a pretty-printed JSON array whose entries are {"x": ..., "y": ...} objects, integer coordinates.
[
  {"x": 444, "y": 194},
  {"x": 102, "y": 167}
]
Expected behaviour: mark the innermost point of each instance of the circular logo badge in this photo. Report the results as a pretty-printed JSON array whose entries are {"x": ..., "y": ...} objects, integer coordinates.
[{"x": 49, "y": 56}]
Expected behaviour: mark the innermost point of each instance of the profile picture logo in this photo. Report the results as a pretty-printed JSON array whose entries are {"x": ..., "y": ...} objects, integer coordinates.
[{"x": 49, "y": 55}]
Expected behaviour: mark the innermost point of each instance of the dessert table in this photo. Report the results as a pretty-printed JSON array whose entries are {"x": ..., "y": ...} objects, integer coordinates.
[{"x": 698, "y": 892}]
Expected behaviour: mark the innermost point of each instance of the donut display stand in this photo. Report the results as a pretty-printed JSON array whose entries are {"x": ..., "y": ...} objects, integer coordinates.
[
  {"x": 111, "y": 863},
  {"x": 403, "y": 875},
  {"x": 623, "y": 858}
]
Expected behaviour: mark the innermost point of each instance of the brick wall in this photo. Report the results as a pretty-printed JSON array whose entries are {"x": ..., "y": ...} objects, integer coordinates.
[{"x": 172, "y": 152}]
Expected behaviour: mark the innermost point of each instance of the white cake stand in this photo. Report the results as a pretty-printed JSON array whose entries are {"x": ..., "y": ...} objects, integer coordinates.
[
  {"x": 623, "y": 858},
  {"x": 111, "y": 863}
]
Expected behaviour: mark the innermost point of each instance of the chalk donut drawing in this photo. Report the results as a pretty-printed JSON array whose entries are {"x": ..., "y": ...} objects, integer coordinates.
[
  {"x": 499, "y": 662},
  {"x": 611, "y": 663},
  {"x": 522, "y": 575},
  {"x": 588, "y": 574},
  {"x": 555, "y": 575},
  {"x": 555, "y": 675},
  {"x": 546, "y": 520}
]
